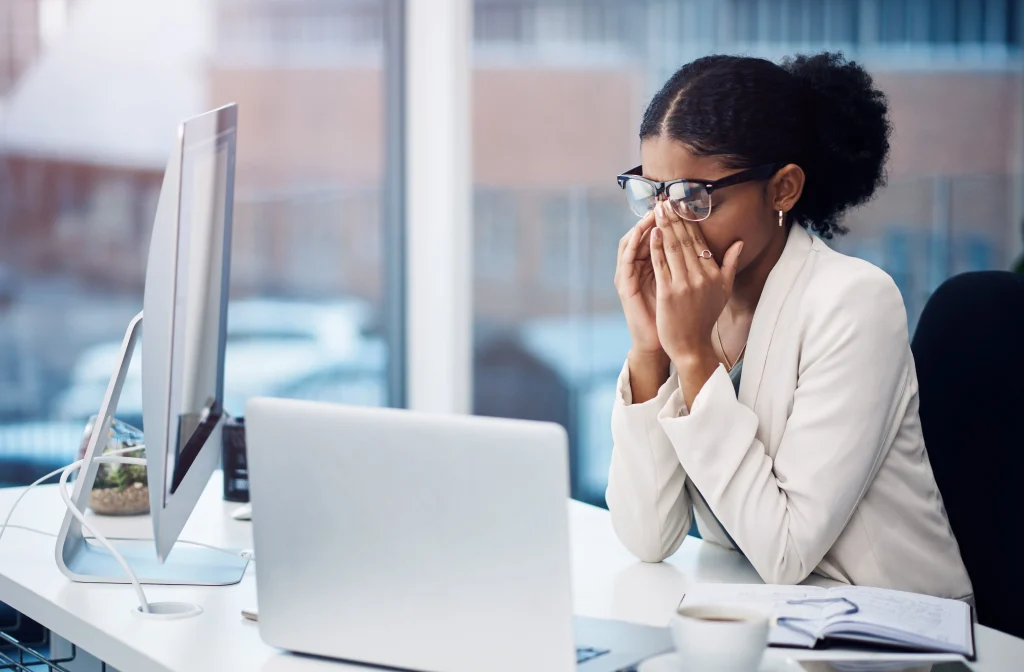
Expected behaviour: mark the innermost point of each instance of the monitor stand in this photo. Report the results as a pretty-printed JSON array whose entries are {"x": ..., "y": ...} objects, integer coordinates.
[{"x": 89, "y": 562}]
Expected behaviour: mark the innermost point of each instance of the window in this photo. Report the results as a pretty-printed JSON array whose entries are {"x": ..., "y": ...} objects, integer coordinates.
[
  {"x": 559, "y": 87},
  {"x": 84, "y": 138},
  {"x": 496, "y": 236},
  {"x": 559, "y": 229},
  {"x": 569, "y": 31},
  {"x": 300, "y": 33},
  {"x": 862, "y": 22}
]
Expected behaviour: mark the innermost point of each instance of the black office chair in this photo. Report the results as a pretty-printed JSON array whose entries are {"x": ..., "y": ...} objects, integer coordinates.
[{"x": 969, "y": 351}]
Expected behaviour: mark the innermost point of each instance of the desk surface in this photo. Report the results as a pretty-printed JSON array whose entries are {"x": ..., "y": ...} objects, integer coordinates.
[{"x": 607, "y": 582}]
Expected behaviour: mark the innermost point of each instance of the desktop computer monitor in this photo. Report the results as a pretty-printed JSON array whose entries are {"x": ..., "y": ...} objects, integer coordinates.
[
  {"x": 183, "y": 338},
  {"x": 185, "y": 320}
]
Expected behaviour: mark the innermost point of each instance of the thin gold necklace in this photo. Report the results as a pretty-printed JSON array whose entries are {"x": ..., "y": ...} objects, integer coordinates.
[{"x": 728, "y": 363}]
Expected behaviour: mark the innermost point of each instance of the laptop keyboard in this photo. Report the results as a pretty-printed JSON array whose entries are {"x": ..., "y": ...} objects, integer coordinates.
[{"x": 585, "y": 653}]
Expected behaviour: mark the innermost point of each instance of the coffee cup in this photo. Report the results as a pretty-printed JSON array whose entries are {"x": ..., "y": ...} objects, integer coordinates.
[{"x": 723, "y": 638}]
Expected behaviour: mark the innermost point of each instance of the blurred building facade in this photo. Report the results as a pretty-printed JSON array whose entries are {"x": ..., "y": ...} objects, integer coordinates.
[
  {"x": 20, "y": 40},
  {"x": 558, "y": 90},
  {"x": 27, "y": 27},
  {"x": 86, "y": 131}
]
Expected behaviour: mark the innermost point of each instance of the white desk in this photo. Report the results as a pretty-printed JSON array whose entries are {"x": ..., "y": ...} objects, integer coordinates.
[{"x": 608, "y": 583}]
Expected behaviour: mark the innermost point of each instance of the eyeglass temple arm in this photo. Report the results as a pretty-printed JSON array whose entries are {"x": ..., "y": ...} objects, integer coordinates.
[{"x": 760, "y": 172}]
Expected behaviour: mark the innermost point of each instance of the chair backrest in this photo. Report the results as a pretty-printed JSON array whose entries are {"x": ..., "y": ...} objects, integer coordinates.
[{"x": 969, "y": 352}]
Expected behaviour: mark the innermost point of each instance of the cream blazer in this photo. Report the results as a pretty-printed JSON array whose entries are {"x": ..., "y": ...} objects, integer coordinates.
[{"x": 818, "y": 464}]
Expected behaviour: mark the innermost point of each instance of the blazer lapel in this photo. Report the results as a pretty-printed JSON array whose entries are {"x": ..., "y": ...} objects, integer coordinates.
[{"x": 769, "y": 306}]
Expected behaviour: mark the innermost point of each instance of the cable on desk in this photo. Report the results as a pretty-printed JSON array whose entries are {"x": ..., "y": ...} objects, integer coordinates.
[
  {"x": 113, "y": 457},
  {"x": 26, "y": 528},
  {"x": 55, "y": 472},
  {"x": 80, "y": 517},
  {"x": 187, "y": 542}
]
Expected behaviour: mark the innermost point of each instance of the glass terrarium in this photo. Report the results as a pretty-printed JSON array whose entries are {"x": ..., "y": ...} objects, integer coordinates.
[{"x": 119, "y": 489}]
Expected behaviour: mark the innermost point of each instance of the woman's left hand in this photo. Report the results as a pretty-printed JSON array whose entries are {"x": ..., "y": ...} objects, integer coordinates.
[{"x": 692, "y": 289}]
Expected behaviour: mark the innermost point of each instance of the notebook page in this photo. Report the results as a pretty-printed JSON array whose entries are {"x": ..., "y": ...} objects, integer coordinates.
[{"x": 927, "y": 618}]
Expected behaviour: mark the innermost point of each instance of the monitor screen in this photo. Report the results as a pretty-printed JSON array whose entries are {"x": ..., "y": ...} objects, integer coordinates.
[{"x": 200, "y": 301}]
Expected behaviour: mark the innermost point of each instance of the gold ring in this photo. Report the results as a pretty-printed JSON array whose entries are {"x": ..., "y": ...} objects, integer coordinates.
[{"x": 704, "y": 254}]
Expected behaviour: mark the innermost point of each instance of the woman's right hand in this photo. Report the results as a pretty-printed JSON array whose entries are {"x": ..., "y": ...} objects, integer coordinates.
[{"x": 634, "y": 281}]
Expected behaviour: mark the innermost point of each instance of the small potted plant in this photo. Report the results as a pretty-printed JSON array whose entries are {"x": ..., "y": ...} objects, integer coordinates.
[{"x": 119, "y": 489}]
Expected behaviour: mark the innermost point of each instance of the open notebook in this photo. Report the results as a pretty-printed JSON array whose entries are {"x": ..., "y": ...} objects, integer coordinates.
[{"x": 809, "y": 616}]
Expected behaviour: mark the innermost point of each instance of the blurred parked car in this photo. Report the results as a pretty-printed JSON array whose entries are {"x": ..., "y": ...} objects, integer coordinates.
[
  {"x": 584, "y": 355},
  {"x": 273, "y": 345},
  {"x": 359, "y": 380},
  {"x": 28, "y": 450}
]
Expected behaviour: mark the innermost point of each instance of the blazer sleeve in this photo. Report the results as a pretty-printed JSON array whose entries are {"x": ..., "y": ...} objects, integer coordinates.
[
  {"x": 650, "y": 509},
  {"x": 785, "y": 514}
]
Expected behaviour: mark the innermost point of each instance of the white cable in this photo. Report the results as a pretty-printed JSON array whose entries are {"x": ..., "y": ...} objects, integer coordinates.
[
  {"x": 50, "y": 475},
  {"x": 32, "y": 529},
  {"x": 80, "y": 517},
  {"x": 232, "y": 552},
  {"x": 113, "y": 457},
  {"x": 65, "y": 472},
  {"x": 229, "y": 551}
]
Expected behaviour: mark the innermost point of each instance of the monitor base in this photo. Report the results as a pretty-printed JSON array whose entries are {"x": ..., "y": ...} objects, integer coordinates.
[
  {"x": 88, "y": 562},
  {"x": 185, "y": 566}
]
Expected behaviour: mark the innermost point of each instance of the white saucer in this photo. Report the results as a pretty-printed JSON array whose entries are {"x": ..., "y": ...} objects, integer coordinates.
[{"x": 666, "y": 662}]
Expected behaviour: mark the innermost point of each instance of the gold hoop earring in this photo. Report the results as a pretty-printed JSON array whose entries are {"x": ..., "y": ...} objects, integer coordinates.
[{"x": 782, "y": 217}]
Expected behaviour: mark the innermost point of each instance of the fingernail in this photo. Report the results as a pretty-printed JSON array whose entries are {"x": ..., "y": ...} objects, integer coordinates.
[
  {"x": 659, "y": 209},
  {"x": 656, "y": 234}
]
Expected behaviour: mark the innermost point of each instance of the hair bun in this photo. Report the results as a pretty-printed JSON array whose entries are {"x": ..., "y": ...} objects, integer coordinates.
[{"x": 851, "y": 130}]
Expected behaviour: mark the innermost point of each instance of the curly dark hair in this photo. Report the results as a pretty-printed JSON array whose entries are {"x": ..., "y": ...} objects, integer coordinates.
[{"x": 821, "y": 112}]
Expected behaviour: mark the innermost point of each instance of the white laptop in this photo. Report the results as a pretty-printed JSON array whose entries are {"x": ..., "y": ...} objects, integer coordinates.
[{"x": 421, "y": 542}]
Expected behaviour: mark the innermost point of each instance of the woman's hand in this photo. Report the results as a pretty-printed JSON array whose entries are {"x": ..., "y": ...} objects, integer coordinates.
[
  {"x": 691, "y": 293},
  {"x": 634, "y": 281}
]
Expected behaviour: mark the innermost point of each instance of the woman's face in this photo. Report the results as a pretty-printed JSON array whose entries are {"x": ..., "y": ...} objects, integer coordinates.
[{"x": 738, "y": 212}]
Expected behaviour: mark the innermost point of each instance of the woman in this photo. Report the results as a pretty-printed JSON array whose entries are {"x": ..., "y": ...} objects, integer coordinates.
[{"x": 770, "y": 389}]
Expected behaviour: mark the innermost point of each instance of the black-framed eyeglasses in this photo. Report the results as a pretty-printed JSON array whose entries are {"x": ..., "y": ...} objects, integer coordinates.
[{"x": 693, "y": 196}]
